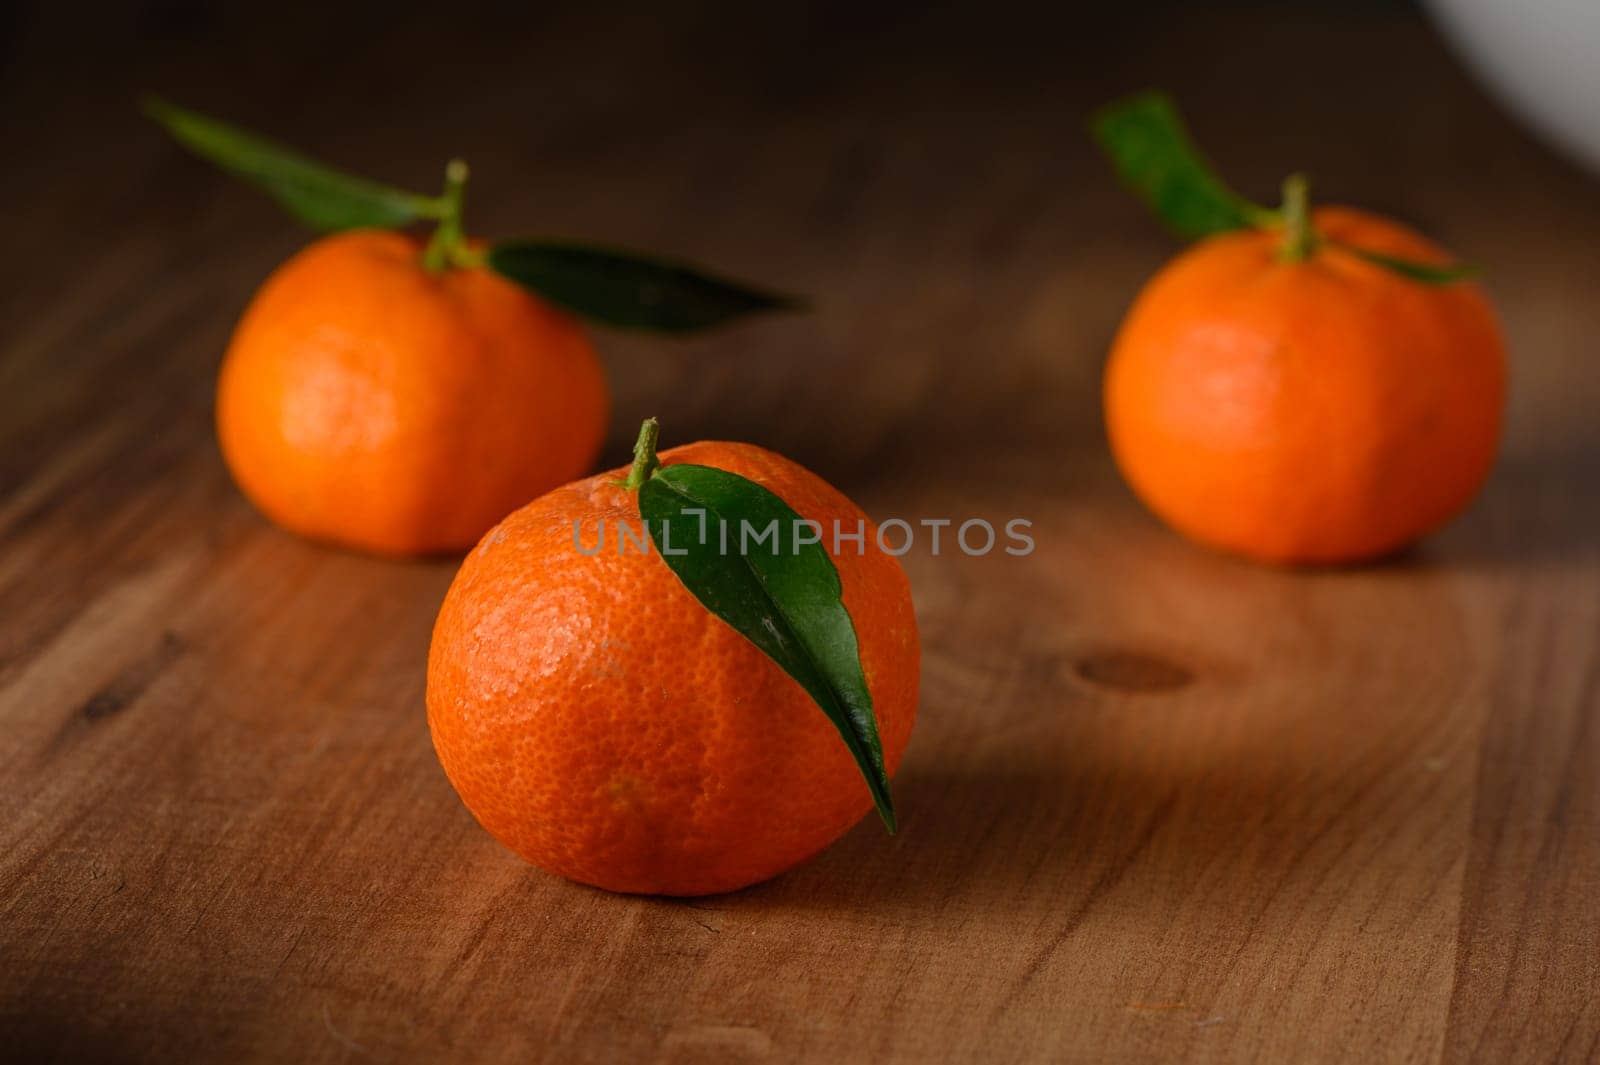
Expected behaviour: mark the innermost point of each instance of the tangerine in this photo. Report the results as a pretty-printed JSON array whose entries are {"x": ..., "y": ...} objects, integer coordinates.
[
  {"x": 370, "y": 401},
  {"x": 1319, "y": 410},
  {"x": 604, "y": 725}
]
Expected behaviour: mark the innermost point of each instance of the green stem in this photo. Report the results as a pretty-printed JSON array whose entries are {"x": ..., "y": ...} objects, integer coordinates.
[
  {"x": 644, "y": 455},
  {"x": 448, "y": 244},
  {"x": 1299, "y": 239}
]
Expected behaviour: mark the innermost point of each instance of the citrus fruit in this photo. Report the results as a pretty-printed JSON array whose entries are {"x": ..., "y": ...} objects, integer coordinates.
[
  {"x": 602, "y": 723},
  {"x": 369, "y": 401},
  {"x": 400, "y": 398},
  {"x": 1309, "y": 408}
]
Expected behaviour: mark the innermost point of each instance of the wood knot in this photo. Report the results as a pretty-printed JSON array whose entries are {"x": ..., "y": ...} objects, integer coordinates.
[
  {"x": 125, "y": 688},
  {"x": 1133, "y": 671}
]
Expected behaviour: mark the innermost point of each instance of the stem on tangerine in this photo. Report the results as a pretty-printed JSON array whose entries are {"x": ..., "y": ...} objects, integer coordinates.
[
  {"x": 1299, "y": 239},
  {"x": 644, "y": 455},
  {"x": 447, "y": 244}
]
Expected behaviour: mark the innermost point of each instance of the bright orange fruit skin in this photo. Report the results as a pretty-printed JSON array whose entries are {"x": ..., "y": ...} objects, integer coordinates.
[
  {"x": 605, "y": 726},
  {"x": 1323, "y": 411},
  {"x": 367, "y": 402}
]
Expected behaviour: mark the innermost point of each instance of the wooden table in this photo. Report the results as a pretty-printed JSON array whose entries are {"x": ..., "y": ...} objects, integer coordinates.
[{"x": 1161, "y": 803}]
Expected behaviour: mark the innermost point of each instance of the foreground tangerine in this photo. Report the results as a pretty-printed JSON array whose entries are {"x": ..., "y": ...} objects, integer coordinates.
[
  {"x": 598, "y": 720},
  {"x": 370, "y": 401}
]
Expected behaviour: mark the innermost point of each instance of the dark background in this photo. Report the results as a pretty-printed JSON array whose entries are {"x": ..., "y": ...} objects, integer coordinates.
[{"x": 957, "y": 129}]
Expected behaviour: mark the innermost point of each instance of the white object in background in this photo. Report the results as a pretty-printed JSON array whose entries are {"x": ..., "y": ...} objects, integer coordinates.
[{"x": 1540, "y": 57}]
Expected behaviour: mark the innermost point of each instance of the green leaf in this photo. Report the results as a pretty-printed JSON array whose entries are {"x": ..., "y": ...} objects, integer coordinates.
[
  {"x": 1152, "y": 153},
  {"x": 322, "y": 198},
  {"x": 780, "y": 593},
  {"x": 620, "y": 288},
  {"x": 1427, "y": 273}
]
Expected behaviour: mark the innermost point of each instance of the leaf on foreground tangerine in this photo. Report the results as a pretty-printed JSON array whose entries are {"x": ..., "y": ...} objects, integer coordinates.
[{"x": 781, "y": 593}]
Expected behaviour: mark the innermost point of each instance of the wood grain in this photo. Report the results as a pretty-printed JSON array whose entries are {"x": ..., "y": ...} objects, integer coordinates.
[{"x": 1160, "y": 805}]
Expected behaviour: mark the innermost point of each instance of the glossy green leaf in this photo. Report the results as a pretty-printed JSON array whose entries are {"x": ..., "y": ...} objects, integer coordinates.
[
  {"x": 778, "y": 591},
  {"x": 1147, "y": 144},
  {"x": 620, "y": 288},
  {"x": 318, "y": 196},
  {"x": 1427, "y": 273}
]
